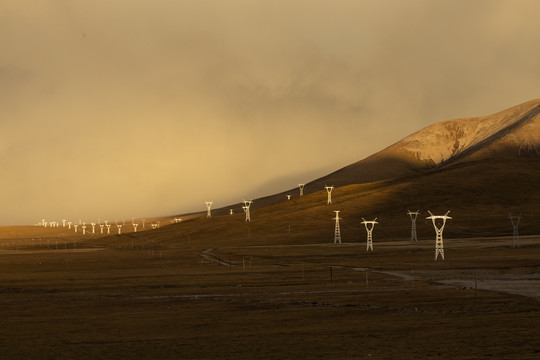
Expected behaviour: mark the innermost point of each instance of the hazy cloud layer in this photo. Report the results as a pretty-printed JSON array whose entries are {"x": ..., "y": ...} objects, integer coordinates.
[{"x": 114, "y": 109}]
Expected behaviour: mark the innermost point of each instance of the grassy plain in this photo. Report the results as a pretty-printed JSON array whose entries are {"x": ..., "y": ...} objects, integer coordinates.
[{"x": 124, "y": 298}]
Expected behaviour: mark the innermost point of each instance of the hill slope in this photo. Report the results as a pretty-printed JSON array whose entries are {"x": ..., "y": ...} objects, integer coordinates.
[
  {"x": 478, "y": 168},
  {"x": 510, "y": 134},
  {"x": 513, "y": 132}
]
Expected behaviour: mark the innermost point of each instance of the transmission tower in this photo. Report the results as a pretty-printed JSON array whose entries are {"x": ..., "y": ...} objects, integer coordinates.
[
  {"x": 247, "y": 204},
  {"x": 413, "y": 216},
  {"x": 439, "y": 249},
  {"x": 369, "y": 229},
  {"x": 329, "y": 191},
  {"x": 337, "y": 232},
  {"x": 208, "y": 206},
  {"x": 301, "y": 187},
  {"x": 515, "y": 223}
]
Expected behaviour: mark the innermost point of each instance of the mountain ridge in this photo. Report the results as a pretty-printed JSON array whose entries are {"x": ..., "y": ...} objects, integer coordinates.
[{"x": 445, "y": 142}]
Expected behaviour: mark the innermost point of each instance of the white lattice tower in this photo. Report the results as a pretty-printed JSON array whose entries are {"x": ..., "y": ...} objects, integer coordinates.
[
  {"x": 247, "y": 204},
  {"x": 301, "y": 187},
  {"x": 83, "y": 229},
  {"x": 439, "y": 247},
  {"x": 108, "y": 228},
  {"x": 135, "y": 227},
  {"x": 101, "y": 226},
  {"x": 69, "y": 225},
  {"x": 75, "y": 226},
  {"x": 329, "y": 191},
  {"x": 369, "y": 230},
  {"x": 208, "y": 206},
  {"x": 119, "y": 226},
  {"x": 515, "y": 224},
  {"x": 288, "y": 197},
  {"x": 231, "y": 211},
  {"x": 337, "y": 232},
  {"x": 93, "y": 228},
  {"x": 413, "y": 216},
  {"x": 63, "y": 223}
]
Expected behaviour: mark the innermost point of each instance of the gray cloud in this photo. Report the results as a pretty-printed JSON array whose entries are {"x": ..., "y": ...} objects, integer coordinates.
[{"x": 140, "y": 108}]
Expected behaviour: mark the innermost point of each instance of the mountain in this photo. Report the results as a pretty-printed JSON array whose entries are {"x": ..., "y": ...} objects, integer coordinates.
[
  {"x": 511, "y": 133},
  {"x": 480, "y": 169}
]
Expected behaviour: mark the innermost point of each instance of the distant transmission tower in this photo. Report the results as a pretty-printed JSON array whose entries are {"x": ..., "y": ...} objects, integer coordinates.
[
  {"x": 413, "y": 216},
  {"x": 329, "y": 191},
  {"x": 247, "y": 204},
  {"x": 208, "y": 206},
  {"x": 515, "y": 224},
  {"x": 439, "y": 249},
  {"x": 337, "y": 232},
  {"x": 301, "y": 187},
  {"x": 369, "y": 229}
]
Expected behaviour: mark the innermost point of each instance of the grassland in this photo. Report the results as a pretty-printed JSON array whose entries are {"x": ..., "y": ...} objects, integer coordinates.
[{"x": 124, "y": 298}]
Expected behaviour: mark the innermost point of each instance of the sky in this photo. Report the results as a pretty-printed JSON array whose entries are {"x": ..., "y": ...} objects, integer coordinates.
[{"x": 139, "y": 108}]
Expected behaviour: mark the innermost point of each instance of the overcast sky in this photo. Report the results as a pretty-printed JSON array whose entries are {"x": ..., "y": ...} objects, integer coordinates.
[{"x": 135, "y": 108}]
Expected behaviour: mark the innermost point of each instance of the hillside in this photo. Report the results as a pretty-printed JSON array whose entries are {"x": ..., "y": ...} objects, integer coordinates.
[
  {"x": 478, "y": 194},
  {"x": 514, "y": 132},
  {"x": 509, "y": 134},
  {"x": 478, "y": 168}
]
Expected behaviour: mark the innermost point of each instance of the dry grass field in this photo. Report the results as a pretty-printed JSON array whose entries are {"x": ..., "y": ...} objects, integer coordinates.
[{"x": 126, "y": 297}]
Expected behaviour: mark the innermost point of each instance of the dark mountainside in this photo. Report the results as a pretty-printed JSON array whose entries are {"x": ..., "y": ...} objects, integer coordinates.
[{"x": 481, "y": 169}]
